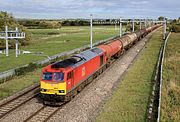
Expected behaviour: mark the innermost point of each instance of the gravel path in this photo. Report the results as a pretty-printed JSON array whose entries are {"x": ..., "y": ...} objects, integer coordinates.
[{"x": 87, "y": 104}]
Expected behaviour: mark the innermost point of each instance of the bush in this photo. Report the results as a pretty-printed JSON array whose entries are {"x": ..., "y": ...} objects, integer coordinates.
[
  {"x": 23, "y": 70},
  {"x": 175, "y": 28},
  {"x": 50, "y": 24}
]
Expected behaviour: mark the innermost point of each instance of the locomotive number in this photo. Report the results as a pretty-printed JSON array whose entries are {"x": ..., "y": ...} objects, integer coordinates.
[{"x": 83, "y": 71}]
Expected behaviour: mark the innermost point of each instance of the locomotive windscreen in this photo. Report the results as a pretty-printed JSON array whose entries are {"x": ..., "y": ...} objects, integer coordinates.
[{"x": 47, "y": 76}]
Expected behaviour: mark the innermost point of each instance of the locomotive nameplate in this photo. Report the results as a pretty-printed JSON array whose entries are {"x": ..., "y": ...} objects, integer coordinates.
[{"x": 83, "y": 71}]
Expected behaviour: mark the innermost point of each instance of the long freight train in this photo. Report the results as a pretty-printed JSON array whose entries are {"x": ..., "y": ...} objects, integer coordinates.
[{"x": 62, "y": 80}]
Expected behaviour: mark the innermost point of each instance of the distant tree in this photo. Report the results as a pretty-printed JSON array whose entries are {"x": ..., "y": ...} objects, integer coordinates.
[
  {"x": 161, "y": 18},
  {"x": 174, "y": 21},
  {"x": 50, "y": 24},
  {"x": 66, "y": 23},
  {"x": 10, "y": 21},
  {"x": 29, "y": 23},
  {"x": 75, "y": 23}
]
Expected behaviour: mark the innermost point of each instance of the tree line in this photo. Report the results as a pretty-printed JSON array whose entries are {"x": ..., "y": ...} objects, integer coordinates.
[
  {"x": 51, "y": 24},
  {"x": 174, "y": 26},
  {"x": 40, "y": 24}
]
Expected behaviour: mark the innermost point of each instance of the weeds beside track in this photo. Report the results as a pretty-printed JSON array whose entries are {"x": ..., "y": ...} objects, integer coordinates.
[
  {"x": 131, "y": 99},
  {"x": 170, "y": 97}
]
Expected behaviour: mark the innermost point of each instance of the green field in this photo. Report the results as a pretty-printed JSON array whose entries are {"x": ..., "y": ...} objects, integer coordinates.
[
  {"x": 130, "y": 100},
  {"x": 170, "y": 104},
  {"x": 53, "y": 41}
]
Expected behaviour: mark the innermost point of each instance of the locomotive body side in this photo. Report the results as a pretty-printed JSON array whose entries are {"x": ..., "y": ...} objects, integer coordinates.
[{"x": 74, "y": 74}]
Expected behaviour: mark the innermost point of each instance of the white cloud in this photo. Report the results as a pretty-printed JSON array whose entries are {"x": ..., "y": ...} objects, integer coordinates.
[{"x": 82, "y": 8}]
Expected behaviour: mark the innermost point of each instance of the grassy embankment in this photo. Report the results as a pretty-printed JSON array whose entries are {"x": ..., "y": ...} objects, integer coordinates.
[
  {"x": 53, "y": 41},
  {"x": 130, "y": 100},
  {"x": 170, "y": 104}
]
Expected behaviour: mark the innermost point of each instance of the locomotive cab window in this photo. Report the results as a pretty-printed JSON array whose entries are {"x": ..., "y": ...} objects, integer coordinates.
[
  {"x": 69, "y": 75},
  {"x": 101, "y": 60},
  {"x": 47, "y": 76},
  {"x": 58, "y": 76}
]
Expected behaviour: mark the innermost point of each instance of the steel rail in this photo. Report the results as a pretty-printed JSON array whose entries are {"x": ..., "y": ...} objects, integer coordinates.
[
  {"x": 14, "y": 103},
  {"x": 43, "y": 114}
]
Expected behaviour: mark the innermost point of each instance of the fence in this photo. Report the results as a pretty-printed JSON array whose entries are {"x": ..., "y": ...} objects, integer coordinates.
[
  {"x": 161, "y": 79},
  {"x": 154, "y": 109}
]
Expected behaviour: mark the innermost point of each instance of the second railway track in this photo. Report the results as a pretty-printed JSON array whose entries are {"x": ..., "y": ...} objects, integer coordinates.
[
  {"x": 44, "y": 113},
  {"x": 17, "y": 101}
]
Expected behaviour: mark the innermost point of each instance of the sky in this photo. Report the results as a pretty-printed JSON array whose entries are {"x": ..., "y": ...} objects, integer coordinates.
[{"x": 56, "y": 9}]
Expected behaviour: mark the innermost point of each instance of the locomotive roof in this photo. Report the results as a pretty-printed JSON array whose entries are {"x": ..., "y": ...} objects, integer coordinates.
[{"x": 78, "y": 59}]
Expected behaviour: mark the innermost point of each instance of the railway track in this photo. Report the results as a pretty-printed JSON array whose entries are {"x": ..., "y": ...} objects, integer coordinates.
[
  {"x": 17, "y": 101},
  {"x": 44, "y": 113}
]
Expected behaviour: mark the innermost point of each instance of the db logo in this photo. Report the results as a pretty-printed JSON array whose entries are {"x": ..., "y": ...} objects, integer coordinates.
[{"x": 83, "y": 71}]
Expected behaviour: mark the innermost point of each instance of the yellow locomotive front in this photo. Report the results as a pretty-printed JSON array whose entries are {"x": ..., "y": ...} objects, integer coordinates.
[{"x": 52, "y": 84}]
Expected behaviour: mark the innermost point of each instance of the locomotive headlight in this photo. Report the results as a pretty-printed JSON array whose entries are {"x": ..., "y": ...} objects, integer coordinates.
[
  {"x": 61, "y": 91},
  {"x": 43, "y": 90}
]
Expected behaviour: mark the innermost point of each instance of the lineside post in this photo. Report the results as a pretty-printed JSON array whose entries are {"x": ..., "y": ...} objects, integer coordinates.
[
  {"x": 164, "y": 30},
  {"x": 115, "y": 26},
  {"x": 140, "y": 24},
  {"x": 120, "y": 22},
  {"x": 7, "y": 47},
  {"x": 91, "y": 24},
  {"x": 17, "y": 43},
  {"x": 126, "y": 26},
  {"x": 133, "y": 25}
]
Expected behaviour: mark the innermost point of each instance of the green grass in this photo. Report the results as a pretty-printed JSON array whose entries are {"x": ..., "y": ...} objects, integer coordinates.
[
  {"x": 18, "y": 83},
  {"x": 170, "y": 105},
  {"x": 130, "y": 100},
  {"x": 53, "y": 41}
]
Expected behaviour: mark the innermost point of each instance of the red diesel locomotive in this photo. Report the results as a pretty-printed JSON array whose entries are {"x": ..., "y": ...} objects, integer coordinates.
[{"x": 62, "y": 80}]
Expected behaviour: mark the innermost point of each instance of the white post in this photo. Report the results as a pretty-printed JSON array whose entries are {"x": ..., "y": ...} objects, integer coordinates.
[
  {"x": 164, "y": 33},
  {"x": 140, "y": 25},
  {"x": 120, "y": 33},
  {"x": 17, "y": 43},
  {"x": 133, "y": 25},
  {"x": 91, "y": 24},
  {"x": 152, "y": 22},
  {"x": 7, "y": 48},
  {"x": 115, "y": 26},
  {"x": 126, "y": 26},
  {"x": 145, "y": 24}
]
